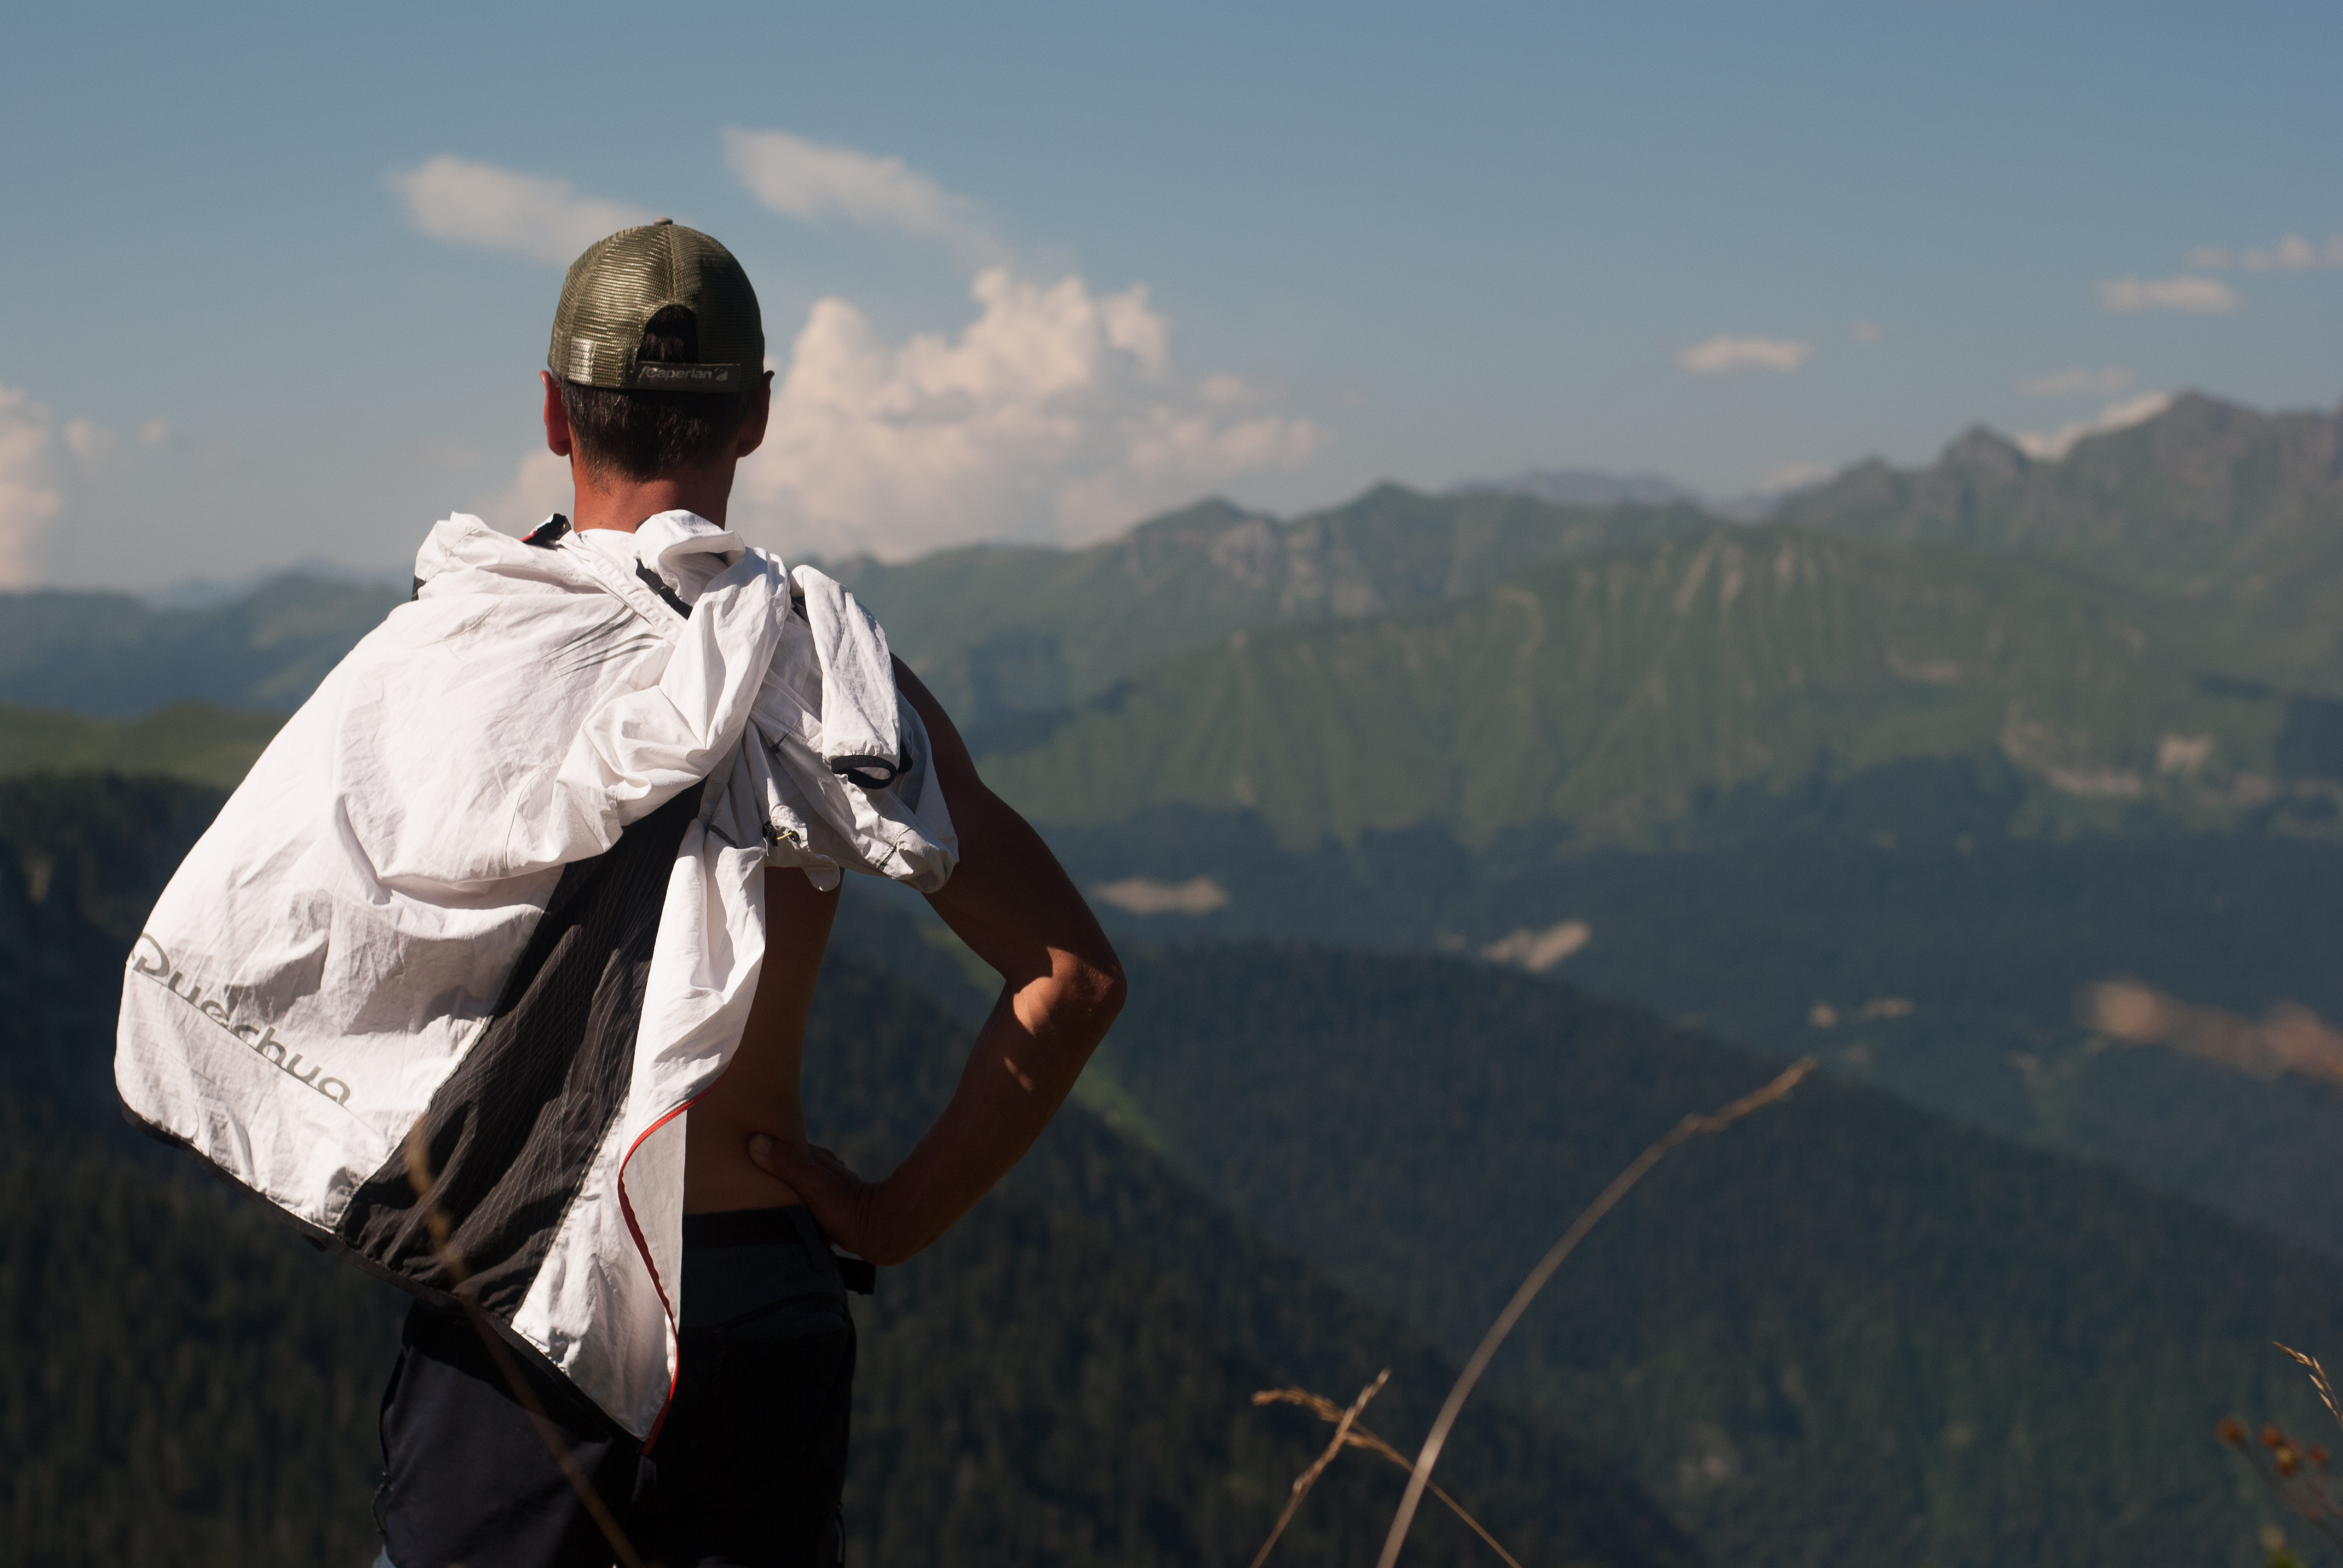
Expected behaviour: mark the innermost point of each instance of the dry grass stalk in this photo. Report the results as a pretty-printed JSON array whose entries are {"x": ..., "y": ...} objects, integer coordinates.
[
  {"x": 1308, "y": 1478},
  {"x": 2317, "y": 1379},
  {"x": 2296, "y": 1473},
  {"x": 420, "y": 1176},
  {"x": 1689, "y": 1128},
  {"x": 1358, "y": 1436}
]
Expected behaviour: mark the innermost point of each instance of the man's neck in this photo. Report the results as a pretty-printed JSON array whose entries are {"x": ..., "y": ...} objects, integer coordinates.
[{"x": 610, "y": 501}]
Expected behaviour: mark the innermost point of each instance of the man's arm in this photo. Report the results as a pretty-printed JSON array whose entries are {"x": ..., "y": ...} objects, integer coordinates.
[{"x": 1010, "y": 901}]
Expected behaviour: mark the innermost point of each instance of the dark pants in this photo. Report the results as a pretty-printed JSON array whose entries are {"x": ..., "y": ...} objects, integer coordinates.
[{"x": 746, "y": 1473}]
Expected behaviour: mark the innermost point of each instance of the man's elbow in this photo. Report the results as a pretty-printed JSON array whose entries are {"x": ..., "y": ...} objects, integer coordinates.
[{"x": 1091, "y": 991}]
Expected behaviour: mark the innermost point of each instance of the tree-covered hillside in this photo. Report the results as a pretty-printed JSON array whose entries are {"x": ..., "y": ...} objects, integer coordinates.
[
  {"x": 1845, "y": 1331},
  {"x": 1066, "y": 1380},
  {"x": 191, "y": 740},
  {"x": 1613, "y": 692},
  {"x": 1890, "y": 924}
]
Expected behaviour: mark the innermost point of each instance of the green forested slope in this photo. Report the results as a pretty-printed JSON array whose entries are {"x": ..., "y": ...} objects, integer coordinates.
[
  {"x": 1843, "y": 1332},
  {"x": 189, "y": 741},
  {"x": 2238, "y": 511},
  {"x": 1611, "y": 692},
  {"x": 110, "y": 655},
  {"x": 182, "y": 1383},
  {"x": 997, "y": 630},
  {"x": 1066, "y": 1380}
]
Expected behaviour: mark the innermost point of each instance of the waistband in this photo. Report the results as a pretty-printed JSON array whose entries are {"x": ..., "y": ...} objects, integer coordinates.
[{"x": 790, "y": 1225}]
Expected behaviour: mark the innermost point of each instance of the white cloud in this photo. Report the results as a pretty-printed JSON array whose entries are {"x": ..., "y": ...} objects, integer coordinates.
[
  {"x": 1054, "y": 415},
  {"x": 466, "y": 203},
  {"x": 2294, "y": 253},
  {"x": 2062, "y": 382},
  {"x": 1722, "y": 356},
  {"x": 92, "y": 445},
  {"x": 30, "y": 496},
  {"x": 815, "y": 181},
  {"x": 540, "y": 485},
  {"x": 2121, "y": 415},
  {"x": 2197, "y": 296}
]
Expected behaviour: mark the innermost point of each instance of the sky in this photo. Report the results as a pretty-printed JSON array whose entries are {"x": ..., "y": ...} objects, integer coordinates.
[{"x": 275, "y": 280}]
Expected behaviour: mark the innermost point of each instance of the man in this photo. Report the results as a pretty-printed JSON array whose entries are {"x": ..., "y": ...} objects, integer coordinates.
[{"x": 494, "y": 972}]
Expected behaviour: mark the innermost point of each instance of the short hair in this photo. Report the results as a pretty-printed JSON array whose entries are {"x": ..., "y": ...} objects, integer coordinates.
[{"x": 640, "y": 436}]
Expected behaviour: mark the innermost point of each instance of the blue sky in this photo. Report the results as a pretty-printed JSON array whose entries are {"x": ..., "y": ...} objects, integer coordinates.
[{"x": 278, "y": 279}]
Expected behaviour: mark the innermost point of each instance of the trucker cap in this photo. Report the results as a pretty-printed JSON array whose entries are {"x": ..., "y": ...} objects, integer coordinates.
[{"x": 621, "y": 282}]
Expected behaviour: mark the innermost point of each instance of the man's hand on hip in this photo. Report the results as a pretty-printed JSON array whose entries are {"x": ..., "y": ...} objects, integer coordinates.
[{"x": 1015, "y": 907}]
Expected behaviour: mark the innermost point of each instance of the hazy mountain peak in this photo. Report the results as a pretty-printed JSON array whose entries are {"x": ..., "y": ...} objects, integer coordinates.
[
  {"x": 1238, "y": 541},
  {"x": 1210, "y": 515},
  {"x": 1985, "y": 453}
]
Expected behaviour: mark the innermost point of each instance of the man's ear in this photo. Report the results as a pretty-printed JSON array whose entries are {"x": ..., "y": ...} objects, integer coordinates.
[
  {"x": 752, "y": 429},
  {"x": 556, "y": 418}
]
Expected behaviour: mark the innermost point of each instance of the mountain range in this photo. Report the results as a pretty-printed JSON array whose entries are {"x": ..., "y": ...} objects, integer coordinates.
[
  {"x": 2230, "y": 518},
  {"x": 997, "y": 630},
  {"x": 111, "y": 656},
  {"x": 2234, "y": 512},
  {"x": 2135, "y": 627}
]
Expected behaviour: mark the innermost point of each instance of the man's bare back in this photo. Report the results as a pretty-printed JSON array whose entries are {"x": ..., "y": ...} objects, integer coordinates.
[{"x": 760, "y": 1091}]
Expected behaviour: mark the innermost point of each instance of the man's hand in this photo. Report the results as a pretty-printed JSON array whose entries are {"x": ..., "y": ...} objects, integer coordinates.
[
  {"x": 1010, "y": 901},
  {"x": 844, "y": 1205}
]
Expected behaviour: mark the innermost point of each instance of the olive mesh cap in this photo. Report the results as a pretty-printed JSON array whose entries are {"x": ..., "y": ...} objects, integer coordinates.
[{"x": 621, "y": 282}]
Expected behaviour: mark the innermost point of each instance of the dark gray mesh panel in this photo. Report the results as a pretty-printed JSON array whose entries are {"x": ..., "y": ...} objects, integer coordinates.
[{"x": 513, "y": 1129}]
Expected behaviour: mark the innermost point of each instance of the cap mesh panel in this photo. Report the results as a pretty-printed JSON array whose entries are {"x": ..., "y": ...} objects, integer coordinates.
[{"x": 621, "y": 282}]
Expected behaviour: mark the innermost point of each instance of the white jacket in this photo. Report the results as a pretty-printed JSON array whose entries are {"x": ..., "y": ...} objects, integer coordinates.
[{"x": 499, "y": 883}]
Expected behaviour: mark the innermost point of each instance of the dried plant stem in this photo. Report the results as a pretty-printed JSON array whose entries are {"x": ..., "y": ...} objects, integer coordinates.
[
  {"x": 2310, "y": 1499},
  {"x": 419, "y": 1176},
  {"x": 2317, "y": 1379},
  {"x": 1689, "y": 1128},
  {"x": 1308, "y": 1478},
  {"x": 1360, "y": 1437}
]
